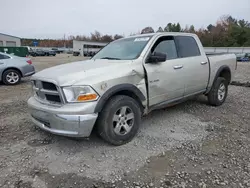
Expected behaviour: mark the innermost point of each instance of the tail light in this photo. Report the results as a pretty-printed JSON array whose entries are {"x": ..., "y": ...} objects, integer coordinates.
[{"x": 29, "y": 62}]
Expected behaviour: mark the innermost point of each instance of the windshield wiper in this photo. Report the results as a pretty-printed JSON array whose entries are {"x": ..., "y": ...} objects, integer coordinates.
[{"x": 111, "y": 58}]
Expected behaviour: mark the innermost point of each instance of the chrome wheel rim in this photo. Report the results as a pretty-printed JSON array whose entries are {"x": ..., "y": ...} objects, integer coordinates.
[
  {"x": 12, "y": 77},
  {"x": 221, "y": 91},
  {"x": 123, "y": 120}
]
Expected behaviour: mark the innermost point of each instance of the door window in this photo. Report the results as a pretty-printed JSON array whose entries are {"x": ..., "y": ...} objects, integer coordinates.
[{"x": 166, "y": 45}]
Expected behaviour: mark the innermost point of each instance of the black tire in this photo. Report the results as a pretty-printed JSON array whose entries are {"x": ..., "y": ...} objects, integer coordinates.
[
  {"x": 105, "y": 124},
  {"x": 214, "y": 98},
  {"x": 9, "y": 71}
]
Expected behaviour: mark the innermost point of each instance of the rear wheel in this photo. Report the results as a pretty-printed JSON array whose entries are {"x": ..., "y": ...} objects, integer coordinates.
[
  {"x": 218, "y": 93},
  {"x": 119, "y": 121},
  {"x": 11, "y": 77}
]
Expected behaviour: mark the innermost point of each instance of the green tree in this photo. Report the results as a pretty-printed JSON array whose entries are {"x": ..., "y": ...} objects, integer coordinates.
[
  {"x": 160, "y": 29},
  {"x": 191, "y": 29},
  {"x": 178, "y": 27}
]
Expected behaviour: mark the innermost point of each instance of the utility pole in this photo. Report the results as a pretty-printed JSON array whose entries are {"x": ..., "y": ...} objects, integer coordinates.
[{"x": 64, "y": 41}]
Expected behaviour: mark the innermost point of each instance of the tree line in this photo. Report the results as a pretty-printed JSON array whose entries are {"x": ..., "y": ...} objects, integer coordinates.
[
  {"x": 68, "y": 43},
  {"x": 227, "y": 32}
]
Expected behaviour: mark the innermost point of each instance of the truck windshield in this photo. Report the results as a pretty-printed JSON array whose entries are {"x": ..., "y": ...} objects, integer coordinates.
[{"x": 123, "y": 49}]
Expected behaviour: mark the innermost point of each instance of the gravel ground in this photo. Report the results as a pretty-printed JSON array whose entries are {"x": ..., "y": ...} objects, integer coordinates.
[
  {"x": 243, "y": 72},
  {"x": 188, "y": 145}
]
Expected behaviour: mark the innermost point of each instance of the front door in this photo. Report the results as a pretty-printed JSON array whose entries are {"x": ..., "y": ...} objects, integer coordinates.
[{"x": 165, "y": 81}]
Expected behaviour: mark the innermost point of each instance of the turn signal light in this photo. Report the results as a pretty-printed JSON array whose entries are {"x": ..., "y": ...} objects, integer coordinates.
[{"x": 87, "y": 97}]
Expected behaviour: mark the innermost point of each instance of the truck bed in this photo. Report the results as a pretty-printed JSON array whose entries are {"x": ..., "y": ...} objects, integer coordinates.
[
  {"x": 218, "y": 60},
  {"x": 215, "y": 53}
]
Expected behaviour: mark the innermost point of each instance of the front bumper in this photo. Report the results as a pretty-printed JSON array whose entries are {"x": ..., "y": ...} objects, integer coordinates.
[{"x": 56, "y": 120}]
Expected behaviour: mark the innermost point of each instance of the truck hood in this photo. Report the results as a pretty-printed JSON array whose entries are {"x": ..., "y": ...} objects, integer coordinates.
[{"x": 71, "y": 73}]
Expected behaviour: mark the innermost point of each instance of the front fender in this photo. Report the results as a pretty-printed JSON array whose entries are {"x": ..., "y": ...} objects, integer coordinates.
[{"x": 116, "y": 89}]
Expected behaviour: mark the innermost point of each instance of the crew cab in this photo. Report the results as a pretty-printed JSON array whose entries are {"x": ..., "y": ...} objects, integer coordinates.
[{"x": 125, "y": 80}]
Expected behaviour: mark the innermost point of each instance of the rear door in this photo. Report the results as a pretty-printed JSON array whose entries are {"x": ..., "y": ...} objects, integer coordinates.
[
  {"x": 3, "y": 59},
  {"x": 195, "y": 73},
  {"x": 165, "y": 81}
]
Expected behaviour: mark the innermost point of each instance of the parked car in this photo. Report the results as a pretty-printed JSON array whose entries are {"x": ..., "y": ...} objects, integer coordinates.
[
  {"x": 128, "y": 78},
  {"x": 244, "y": 57},
  {"x": 85, "y": 54},
  {"x": 37, "y": 52},
  {"x": 50, "y": 53},
  {"x": 76, "y": 53},
  {"x": 89, "y": 54},
  {"x": 58, "y": 51},
  {"x": 40, "y": 52},
  {"x": 13, "y": 68},
  {"x": 32, "y": 52}
]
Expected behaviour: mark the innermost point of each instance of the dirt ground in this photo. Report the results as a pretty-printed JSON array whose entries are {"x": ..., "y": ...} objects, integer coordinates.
[{"x": 189, "y": 145}]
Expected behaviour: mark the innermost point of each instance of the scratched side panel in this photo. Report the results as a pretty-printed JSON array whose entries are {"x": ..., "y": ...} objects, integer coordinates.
[{"x": 128, "y": 73}]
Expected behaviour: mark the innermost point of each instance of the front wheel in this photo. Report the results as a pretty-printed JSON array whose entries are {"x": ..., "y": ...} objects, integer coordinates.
[
  {"x": 218, "y": 93},
  {"x": 119, "y": 121}
]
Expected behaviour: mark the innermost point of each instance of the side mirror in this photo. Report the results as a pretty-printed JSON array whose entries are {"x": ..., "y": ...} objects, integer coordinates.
[{"x": 157, "y": 57}]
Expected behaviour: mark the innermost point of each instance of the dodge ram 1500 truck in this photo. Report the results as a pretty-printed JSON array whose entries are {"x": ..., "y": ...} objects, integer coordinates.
[{"x": 124, "y": 81}]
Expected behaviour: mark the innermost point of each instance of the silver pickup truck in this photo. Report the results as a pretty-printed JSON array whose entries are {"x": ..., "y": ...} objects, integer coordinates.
[{"x": 124, "y": 81}]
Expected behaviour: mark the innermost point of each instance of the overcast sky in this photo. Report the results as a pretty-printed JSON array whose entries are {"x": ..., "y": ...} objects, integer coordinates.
[{"x": 54, "y": 18}]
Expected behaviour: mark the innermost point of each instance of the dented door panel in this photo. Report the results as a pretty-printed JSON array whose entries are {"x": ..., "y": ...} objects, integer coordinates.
[{"x": 164, "y": 82}]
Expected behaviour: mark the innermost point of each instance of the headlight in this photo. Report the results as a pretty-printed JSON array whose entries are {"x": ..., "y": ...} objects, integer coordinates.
[
  {"x": 80, "y": 94},
  {"x": 33, "y": 87}
]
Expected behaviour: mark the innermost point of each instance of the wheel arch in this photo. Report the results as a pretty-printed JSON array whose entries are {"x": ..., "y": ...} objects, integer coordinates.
[
  {"x": 225, "y": 72},
  {"x": 12, "y": 68},
  {"x": 121, "y": 89}
]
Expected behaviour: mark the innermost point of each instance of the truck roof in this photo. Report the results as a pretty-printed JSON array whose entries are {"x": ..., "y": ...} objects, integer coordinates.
[{"x": 162, "y": 33}]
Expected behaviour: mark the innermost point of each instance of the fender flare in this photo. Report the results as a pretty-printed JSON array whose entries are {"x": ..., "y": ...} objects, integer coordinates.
[
  {"x": 115, "y": 89},
  {"x": 222, "y": 68}
]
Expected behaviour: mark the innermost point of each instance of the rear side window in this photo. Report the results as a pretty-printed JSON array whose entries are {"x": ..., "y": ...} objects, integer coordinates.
[
  {"x": 187, "y": 46},
  {"x": 4, "y": 56}
]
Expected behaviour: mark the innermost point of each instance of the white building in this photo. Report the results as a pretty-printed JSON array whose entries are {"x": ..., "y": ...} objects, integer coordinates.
[
  {"x": 84, "y": 47},
  {"x": 9, "y": 41}
]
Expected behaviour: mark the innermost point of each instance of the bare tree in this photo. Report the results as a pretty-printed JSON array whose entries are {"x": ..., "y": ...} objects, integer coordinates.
[{"x": 147, "y": 30}]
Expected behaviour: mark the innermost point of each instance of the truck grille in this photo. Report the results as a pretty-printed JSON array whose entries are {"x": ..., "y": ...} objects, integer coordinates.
[{"x": 47, "y": 91}]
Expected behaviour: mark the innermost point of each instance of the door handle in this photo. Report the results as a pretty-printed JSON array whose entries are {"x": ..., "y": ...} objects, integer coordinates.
[
  {"x": 204, "y": 63},
  {"x": 178, "y": 66}
]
